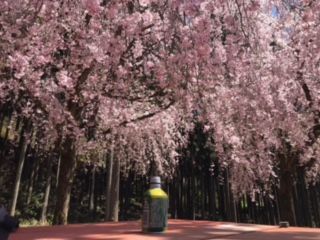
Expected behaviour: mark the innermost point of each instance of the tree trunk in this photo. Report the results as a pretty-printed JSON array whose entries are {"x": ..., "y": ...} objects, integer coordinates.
[
  {"x": 35, "y": 169},
  {"x": 43, "y": 219},
  {"x": 286, "y": 204},
  {"x": 58, "y": 171},
  {"x": 288, "y": 160},
  {"x": 193, "y": 190},
  {"x": 212, "y": 198},
  {"x": 6, "y": 135},
  {"x": 114, "y": 203},
  {"x": 232, "y": 214},
  {"x": 109, "y": 183},
  {"x": 92, "y": 189},
  {"x": 315, "y": 199},
  {"x": 23, "y": 149},
  {"x": 67, "y": 169},
  {"x": 203, "y": 196},
  {"x": 172, "y": 200},
  {"x": 222, "y": 202}
]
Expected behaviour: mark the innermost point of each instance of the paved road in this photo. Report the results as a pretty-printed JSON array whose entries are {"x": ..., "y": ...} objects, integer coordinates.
[{"x": 178, "y": 230}]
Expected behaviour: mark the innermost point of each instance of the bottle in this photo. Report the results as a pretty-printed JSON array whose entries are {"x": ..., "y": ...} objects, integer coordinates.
[{"x": 155, "y": 208}]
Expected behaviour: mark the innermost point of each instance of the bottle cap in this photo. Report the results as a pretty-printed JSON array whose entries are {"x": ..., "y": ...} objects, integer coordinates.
[{"x": 155, "y": 180}]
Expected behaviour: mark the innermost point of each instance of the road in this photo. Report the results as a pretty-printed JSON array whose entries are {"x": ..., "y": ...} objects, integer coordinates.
[{"x": 177, "y": 230}]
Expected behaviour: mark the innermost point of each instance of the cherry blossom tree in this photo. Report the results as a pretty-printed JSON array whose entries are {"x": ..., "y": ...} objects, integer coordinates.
[
  {"x": 270, "y": 114},
  {"x": 65, "y": 64}
]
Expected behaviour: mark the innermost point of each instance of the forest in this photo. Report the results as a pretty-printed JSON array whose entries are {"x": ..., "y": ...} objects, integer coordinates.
[
  {"x": 196, "y": 190},
  {"x": 221, "y": 98}
]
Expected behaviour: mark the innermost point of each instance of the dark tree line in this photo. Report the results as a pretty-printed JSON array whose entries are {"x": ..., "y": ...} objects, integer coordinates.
[{"x": 200, "y": 188}]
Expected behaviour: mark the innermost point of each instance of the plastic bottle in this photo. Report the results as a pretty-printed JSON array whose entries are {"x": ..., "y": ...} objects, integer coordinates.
[{"x": 155, "y": 208}]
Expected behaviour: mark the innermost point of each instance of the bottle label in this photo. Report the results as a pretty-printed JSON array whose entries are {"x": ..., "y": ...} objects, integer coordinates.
[
  {"x": 158, "y": 213},
  {"x": 145, "y": 214}
]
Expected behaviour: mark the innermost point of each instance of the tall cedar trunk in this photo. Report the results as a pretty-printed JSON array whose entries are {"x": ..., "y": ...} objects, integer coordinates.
[
  {"x": 189, "y": 197},
  {"x": 43, "y": 218},
  {"x": 276, "y": 202},
  {"x": 92, "y": 189},
  {"x": 222, "y": 204},
  {"x": 287, "y": 165},
  {"x": 177, "y": 198},
  {"x": 23, "y": 149},
  {"x": 6, "y": 135},
  {"x": 315, "y": 196},
  {"x": 30, "y": 187},
  {"x": 212, "y": 198},
  {"x": 304, "y": 211},
  {"x": 67, "y": 169},
  {"x": 1, "y": 123},
  {"x": 173, "y": 199},
  {"x": 35, "y": 169},
  {"x": 58, "y": 171},
  {"x": 114, "y": 203},
  {"x": 286, "y": 204},
  {"x": 193, "y": 190},
  {"x": 203, "y": 197},
  {"x": 4, "y": 140},
  {"x": 109, "y": 174},
  {"x": 184, "y": 197},
  {"x": 231, "y": 201}
]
